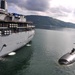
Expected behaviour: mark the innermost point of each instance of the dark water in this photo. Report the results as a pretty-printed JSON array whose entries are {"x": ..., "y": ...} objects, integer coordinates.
[{"x": 41, "y": 58}]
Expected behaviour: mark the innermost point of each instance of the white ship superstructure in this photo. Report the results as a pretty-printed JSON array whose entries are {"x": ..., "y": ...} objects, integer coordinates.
[{"x": 15, "y": 31}]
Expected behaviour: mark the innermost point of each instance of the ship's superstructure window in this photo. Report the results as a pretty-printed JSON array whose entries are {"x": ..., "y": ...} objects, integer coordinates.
[
  {"x": 5, "y": 32},
  {"x": 0, "y": 33},
  {"x": 0, "y": 25},
  {"x": 3, "y": 4},
  {"x": 13, "y": 25}
]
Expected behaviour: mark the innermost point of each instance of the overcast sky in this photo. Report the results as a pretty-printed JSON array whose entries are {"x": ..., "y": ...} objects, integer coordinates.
[{"x": 60, "y": 9}]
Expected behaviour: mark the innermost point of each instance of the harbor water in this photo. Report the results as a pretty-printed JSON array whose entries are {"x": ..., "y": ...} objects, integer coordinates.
[{"x": 42, "y": 55}]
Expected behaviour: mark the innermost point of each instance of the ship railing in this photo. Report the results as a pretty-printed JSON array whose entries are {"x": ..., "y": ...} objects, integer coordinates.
[
  {"x": 3, "y": 27},
  {"x": 21, "y": 27},
  {"x": 27, "y": 27}
]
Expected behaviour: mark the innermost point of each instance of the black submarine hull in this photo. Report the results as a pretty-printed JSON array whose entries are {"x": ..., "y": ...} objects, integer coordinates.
[{"x": 67, "y": 59}]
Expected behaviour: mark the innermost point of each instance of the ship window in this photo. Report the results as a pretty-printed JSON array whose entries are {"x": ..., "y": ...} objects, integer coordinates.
[
  {"x": 4, "y": 25},
  {"x": 21, "y": 29},
  {"x": 0, "y": 25},
  {"x": 22, "y": 25},
  {"x": 0, "y": 33},
  {"x": 5, "y": 32},
  {"x": 13, "y": 25}
]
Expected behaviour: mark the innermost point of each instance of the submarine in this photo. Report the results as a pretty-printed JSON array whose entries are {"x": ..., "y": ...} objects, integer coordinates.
[{"x": 68, "y": 58}]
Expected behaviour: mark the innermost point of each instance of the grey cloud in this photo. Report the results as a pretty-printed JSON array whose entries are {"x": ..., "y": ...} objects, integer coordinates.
[
  {"x": 73, "y": 12},
  {"x": 34, "y": 5},
  {"x": 13, "y": 1},
  {"x": 60, "y": 11},
  {"x": 19, "y": 3},
  {"x": 37, "y": 5}
]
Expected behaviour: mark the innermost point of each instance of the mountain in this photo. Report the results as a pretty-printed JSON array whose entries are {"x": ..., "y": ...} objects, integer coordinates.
[{"x": 48, "y": 22}]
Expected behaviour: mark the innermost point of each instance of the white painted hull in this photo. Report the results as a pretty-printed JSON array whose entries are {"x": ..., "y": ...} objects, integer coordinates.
[{"x": 15, "y": 41}]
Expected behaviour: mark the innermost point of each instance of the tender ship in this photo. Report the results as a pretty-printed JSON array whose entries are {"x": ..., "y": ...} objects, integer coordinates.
[
  {"x": 15, "y": 31},
  {"x": 68, "y": 58}
]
